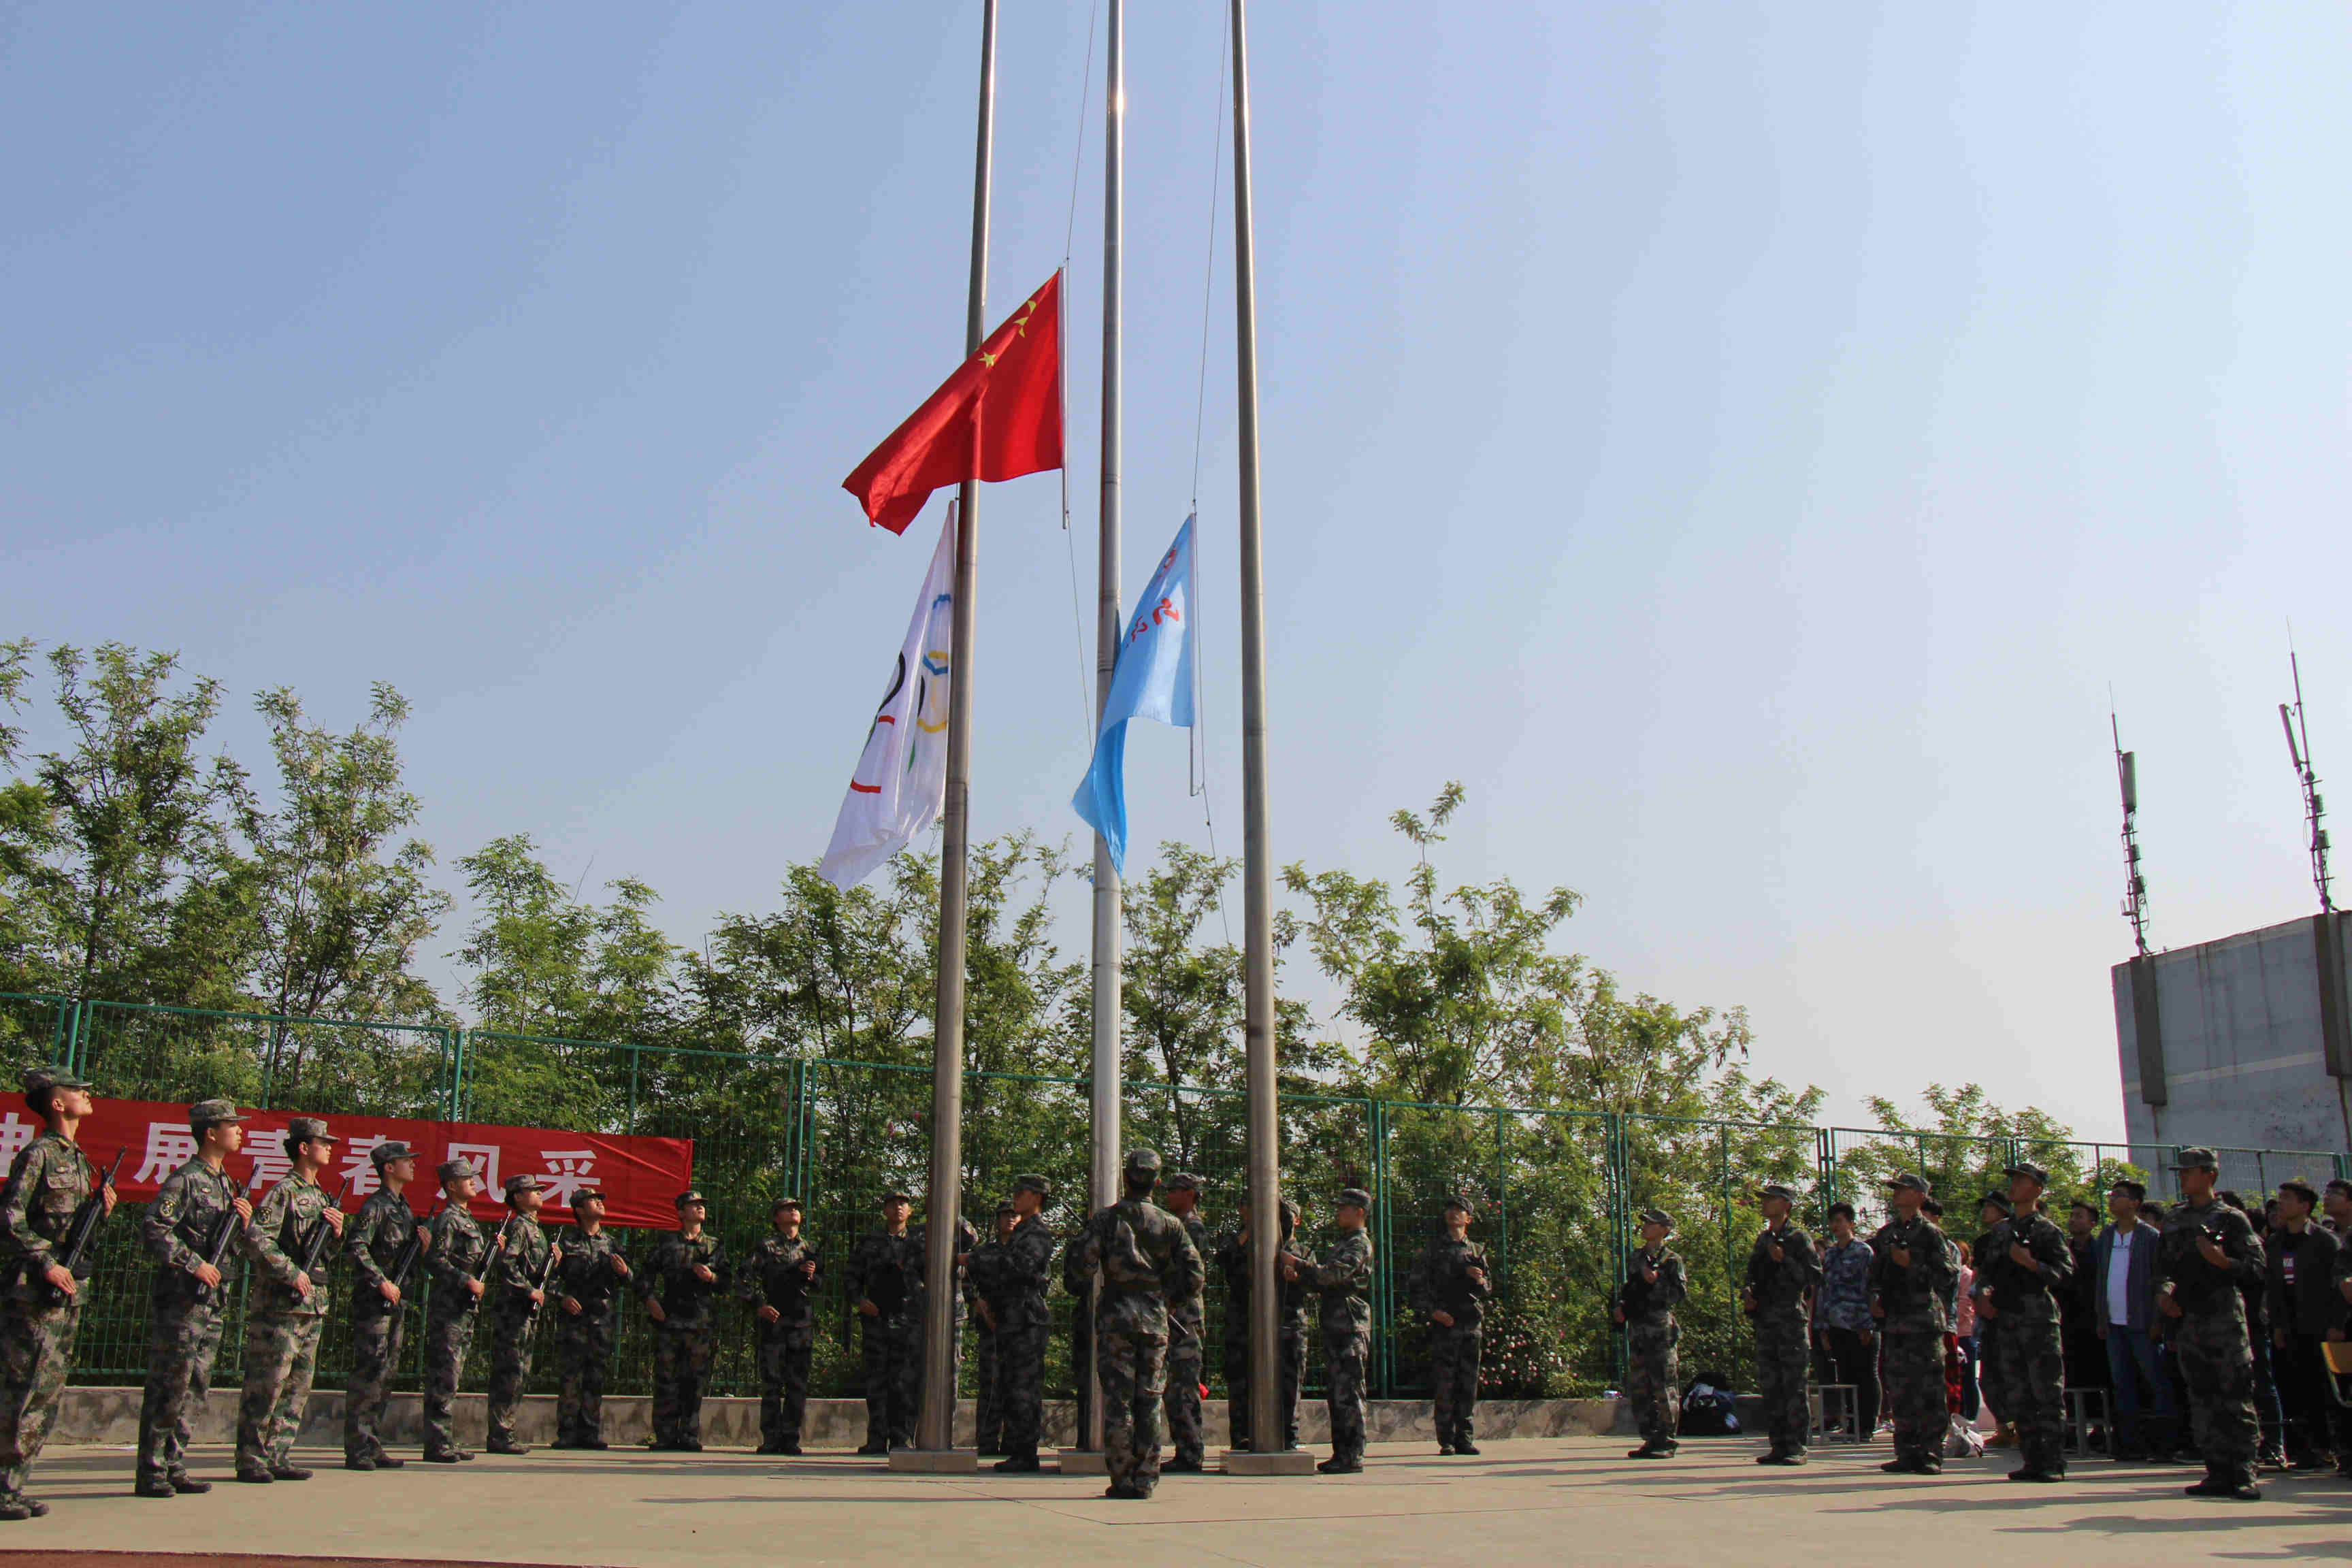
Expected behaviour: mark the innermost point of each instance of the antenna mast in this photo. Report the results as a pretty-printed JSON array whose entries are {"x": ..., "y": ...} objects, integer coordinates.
[
  {"x": 2134, "y": 885},
  {"x": 2298, "y": 746}
]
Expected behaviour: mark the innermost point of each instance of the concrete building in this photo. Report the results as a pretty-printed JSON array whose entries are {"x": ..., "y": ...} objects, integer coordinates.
[{"x": 2241, "y": 1043}]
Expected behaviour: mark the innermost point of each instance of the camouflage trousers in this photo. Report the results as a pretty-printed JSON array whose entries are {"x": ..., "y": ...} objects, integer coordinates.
[
  {"x": 2217, "y": 1362},
  {"x": 892, "y": 1351},
  {"x": 376, "y": 1333},
  {"x": 1454, "y": 1357},
  {"x": 36, "y": 1352},
  {"x": 183, "y": 1336},
  {"x": 584, "y": 1359},
  {"x": 1132, "y": 1367},
  {"x": 1915, "y": 1390},
  {"x": 681, "y": 1367},
  {"x": 281, "y": 1351},
  {"x": 988, "y": 1413},
  {"x": 447, "y": 1340},
  {"x": 1182, "y": 1405},
  {"x": 513, "y": 1331},
  {"x": 1021, "y": 1386},
  {"x": 1993, "y": 1380},
  {"x": 1290, "y": 1364},
  {"x": 2032, "y": 1377},
  {"x": 1783, "y": 1351},
  {"x": 784, "y": 1356},
  {"x": 1346, "y": 1359},
  {"x": 1653, "y": 1379}
]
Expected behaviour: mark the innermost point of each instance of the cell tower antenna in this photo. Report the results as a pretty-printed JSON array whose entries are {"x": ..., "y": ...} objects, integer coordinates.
[
  {"x": 2315, "y": 809},
  {"x": 2134, "y": 885}
]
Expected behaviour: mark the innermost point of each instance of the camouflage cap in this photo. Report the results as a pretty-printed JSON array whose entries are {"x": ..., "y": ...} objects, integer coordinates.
[
  {"x": 40, "y": 1080},
  {"x": 525, "y": 1182},
  {"x": 207, "y": 1113},
  {"x": 1776, "y": 1190},
  {"x": 785, "y": 1201},
  {"x": 391, "y": 1149},
  {"x": 1355, "y": 1198},
  {"x": 449, "y": 1171},
  {"x": 896, "y": 1196},
  {"x": 1289, "y": 1211},
  {"x": 1005, "y": 1210},
  {"x": 2029, "y": 1169},
  {"x": 1657, "y": 1217},
  {"x": 1909, "y": 1181},
  {"x": 2197, "y": 1160},
  {"x": 586, "y": 1195},
  {"x": 1458, "y": 1203},
  {"x": 692, "y": 1195},
  {"x": 1997, "y": 1201},
  {"x": 1033, "y": 1182},
  {"x": 1182, "y": 1182},
  {"x": 309, "y": 1129},
  {"x": 1140, "y": 1161}
]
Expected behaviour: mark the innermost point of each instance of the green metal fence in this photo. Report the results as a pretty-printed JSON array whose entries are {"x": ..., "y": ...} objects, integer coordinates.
[{"x": 1555, "y": 1189}]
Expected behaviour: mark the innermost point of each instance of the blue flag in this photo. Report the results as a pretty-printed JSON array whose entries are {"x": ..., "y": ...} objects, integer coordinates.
[{"x": 1152, "y": 679}]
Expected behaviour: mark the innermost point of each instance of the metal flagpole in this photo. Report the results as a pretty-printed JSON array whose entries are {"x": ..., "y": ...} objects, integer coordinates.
[
  {"x": 943, "y": 1205},
  {"x": 1108, "y": 622},
  {"x": 1257, "y": 863}
]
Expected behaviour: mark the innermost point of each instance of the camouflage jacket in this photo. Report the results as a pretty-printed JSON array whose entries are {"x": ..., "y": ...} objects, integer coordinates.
[
  {"x": 285, "y": 1222},
  {"x": 46, "y": 1186},
  {"x": 1912, "y": 1294},
  {"x": 887, "y": 1271},
  {"x": 1192, "y": 1313},
  {"x": 1233, "y": 1262},
  {"x": 2181, "y": 1271},
  {"x": 1644, "y": 1302},
  {"x": 1440, "y": 1282},
  {"x": 525, "y": 1253},
  {"x": 687, "y": 1299},
  {"x": 1343, "y": 1277},
  {"x": 584, "y": 1272},
  {"x": 373, "y": 1240},
  {"x": 1018, "y": 1276},
  {"x": 1783, "y": 1287},
  {"x": 456, "y": 1246},
  {"x": 2000, "y": 1280},
  {"x": 979, "y": 1279},
  {"x": 180, "y": 1223},
  {"x": 774, "y": 1277},
  {"x": 1146, "y": 1260}
]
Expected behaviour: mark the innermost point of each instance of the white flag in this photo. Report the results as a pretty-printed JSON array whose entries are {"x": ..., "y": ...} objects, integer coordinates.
[{"x": 900, "y": 783}]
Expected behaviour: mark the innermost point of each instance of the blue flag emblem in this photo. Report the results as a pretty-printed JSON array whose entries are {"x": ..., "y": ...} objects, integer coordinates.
[{"x": 1152, "y": 679}]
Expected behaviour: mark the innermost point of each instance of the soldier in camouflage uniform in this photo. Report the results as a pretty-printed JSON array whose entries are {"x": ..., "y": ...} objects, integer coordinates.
[
  {"x": 1016, "y": 1301},
  {"x": 1145, "y": 1261},
  {"x": 1344, "y": 1276},
  {"x": 46, "y": 1186},
  {"x": 1448, "y": 1286},
  {"x": 689, "y": 1271},
  {"x": 987, "y": 1416},
  {"x": 196, "y": 1210},
  {"x": 1653, "y": 1285},
  {"x": 2022, "y": 1268},
  {"x": 886, "y": 1269},
  {"x": 1783, "y": 1269},
  {"x": 1912, "y": 1263},
  {"x": 286, "y": 1311},
  {"x": 513, "y": 1294},
  {"x": 588, "y": 1274},
  {"x": 1992, "y": 1212},
  {"x": 1187, "y": 1324},
  {"x": 374, "y": 1242},
  {"x": 1290, "y": 1338},
  {"x": 781, "y": 1282},
  {"x": 455, "y": 1253},
  {"x": 2204, "y": 1253}
]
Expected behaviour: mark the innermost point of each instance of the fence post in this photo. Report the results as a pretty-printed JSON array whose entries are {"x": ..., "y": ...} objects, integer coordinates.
[{"x": 77, "y": 1045}]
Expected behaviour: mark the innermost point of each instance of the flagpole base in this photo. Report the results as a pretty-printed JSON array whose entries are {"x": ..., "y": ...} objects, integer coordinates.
[
  {"x": 934, "y": 1461},
  {"x": 1083, "y": 1462},
  {"x": 1283, "y": 1462}
]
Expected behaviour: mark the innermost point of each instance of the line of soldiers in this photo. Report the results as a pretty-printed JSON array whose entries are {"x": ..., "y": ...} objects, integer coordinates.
[{"x": 2205, "y": 1251}]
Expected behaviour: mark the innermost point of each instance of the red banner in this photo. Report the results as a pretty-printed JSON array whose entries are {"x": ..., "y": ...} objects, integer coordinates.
[{"x": 640, "y": 1177}]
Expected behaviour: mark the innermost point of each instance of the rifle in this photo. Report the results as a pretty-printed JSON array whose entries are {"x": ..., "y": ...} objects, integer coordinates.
[
  {"x": 319, "y": 1237},
  {"x": 83, "y": 1227},
  {"x": 403, "y": 1262},
  {"x": 546, "y": 1273},
  {"x": 225, "y": 1231}
]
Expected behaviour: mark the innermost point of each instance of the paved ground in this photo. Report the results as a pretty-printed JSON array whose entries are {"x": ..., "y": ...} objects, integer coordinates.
[{"x": 1565, "y": 1498}]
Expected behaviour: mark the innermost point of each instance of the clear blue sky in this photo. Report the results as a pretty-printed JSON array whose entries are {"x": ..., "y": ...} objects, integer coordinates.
[{"x": 1743, "y": 444}]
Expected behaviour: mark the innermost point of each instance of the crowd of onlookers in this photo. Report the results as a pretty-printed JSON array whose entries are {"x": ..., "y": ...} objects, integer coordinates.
[{"x": 2114, "y": 1333}]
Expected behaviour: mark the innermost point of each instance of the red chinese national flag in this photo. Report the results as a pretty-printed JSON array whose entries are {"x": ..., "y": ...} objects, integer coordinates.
[{"x": 999, "y": 416}]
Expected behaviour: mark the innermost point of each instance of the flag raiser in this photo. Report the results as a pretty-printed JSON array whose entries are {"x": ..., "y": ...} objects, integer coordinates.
[
  {"x": 999, "y": 416},
  {"x": 1154, "y": 680}
]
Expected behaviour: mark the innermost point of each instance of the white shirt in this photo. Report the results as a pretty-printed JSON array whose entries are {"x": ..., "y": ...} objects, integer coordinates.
[{"x": 2119, "y": 1278}]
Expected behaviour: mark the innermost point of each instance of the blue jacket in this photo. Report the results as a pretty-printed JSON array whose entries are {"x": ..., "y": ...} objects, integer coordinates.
[{"x": 2141, "y": 1308}]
